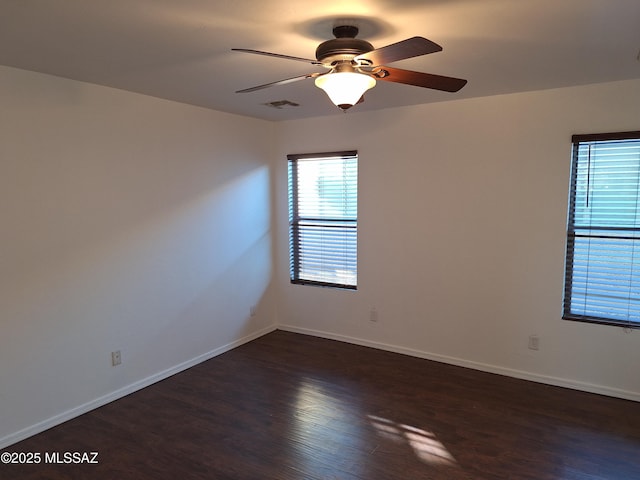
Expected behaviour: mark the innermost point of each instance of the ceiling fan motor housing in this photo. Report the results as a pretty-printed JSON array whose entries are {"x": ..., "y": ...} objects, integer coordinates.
[{"x": 344, "y": 47}]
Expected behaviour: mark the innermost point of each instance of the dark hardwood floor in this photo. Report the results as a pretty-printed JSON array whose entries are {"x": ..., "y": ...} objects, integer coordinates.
[{"x": 289, "y": 406}]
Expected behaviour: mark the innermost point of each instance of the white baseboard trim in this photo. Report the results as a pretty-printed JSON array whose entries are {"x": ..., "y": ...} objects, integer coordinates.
[
  {"x": 122, "y": 392},
  {"x": 534, "y": 377}
]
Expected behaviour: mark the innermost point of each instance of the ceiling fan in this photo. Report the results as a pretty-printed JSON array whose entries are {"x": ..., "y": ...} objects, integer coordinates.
[{"x": 354, "y": 66}]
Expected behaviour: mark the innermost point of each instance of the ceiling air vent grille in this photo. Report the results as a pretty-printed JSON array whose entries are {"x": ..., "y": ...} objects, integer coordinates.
[{"x": 281, "y": 103}]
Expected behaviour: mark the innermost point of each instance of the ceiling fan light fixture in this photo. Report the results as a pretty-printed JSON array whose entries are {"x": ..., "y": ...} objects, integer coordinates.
[{"x": 345, "y": 88}]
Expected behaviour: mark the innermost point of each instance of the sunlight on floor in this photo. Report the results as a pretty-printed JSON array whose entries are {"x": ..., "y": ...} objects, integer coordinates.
[
  {"x": 323, "y": 434},
  {"x": 425, "y": 445},
  {"x": 326, "y": 426}
]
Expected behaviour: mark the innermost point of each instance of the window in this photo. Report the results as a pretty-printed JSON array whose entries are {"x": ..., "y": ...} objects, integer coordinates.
[
  {"x": 323, "y": 219},
  {"x": 602, "y": 273}
]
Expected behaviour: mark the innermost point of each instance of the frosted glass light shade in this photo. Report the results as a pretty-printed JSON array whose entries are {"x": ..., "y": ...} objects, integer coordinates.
[{"x": 345, "y": 88}]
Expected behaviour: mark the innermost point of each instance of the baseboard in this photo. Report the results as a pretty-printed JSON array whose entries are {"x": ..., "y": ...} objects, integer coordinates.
[
  {"x": 122, "y": 392},
  {"x": 534, "y": 377}
]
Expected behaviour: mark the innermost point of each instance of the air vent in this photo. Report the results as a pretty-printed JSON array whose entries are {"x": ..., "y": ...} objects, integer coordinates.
[{"x": 281, "y": 103}]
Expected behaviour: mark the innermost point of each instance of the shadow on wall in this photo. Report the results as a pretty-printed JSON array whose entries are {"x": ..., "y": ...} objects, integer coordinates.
[{"x": 165, "y": 289}]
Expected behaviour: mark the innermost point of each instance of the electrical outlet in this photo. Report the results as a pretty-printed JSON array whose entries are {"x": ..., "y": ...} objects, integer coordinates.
[
  {"x": 534, "y": 342},
  {"x": 373, "y": 315},
  {"x": 116, "y": 358},
  {"x": 252, "y": 310}
]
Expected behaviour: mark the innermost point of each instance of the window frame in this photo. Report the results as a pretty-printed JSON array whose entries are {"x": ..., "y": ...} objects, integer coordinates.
[
  {"x": 567, "y": 314},
  {"x": 296, "y": 220}
]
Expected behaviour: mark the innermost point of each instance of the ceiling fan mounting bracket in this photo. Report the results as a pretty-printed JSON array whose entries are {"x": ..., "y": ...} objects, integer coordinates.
[{"x": 345, "y": 31}]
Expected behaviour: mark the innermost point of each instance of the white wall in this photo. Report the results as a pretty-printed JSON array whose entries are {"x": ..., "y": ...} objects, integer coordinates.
[
  {"x": 126, "y": 223},
  {"x": 462, "y": 214}
]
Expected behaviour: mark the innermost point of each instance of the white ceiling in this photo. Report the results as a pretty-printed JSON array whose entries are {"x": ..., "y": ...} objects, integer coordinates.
[{"x": 181, "y": 49}]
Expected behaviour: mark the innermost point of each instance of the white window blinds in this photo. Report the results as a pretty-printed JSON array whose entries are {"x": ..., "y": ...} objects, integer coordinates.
[
  {"x": 323, "y": 219},
  {"x": 602, "y": 274}
]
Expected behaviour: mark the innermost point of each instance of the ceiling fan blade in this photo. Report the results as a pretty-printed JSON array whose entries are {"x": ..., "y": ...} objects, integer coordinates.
[
  {"x": 411, "y": 47},
  {"x": 280, "y": 82},
  {"x": 420, "y": 79},
  {"x": 277, "y": 55}
]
